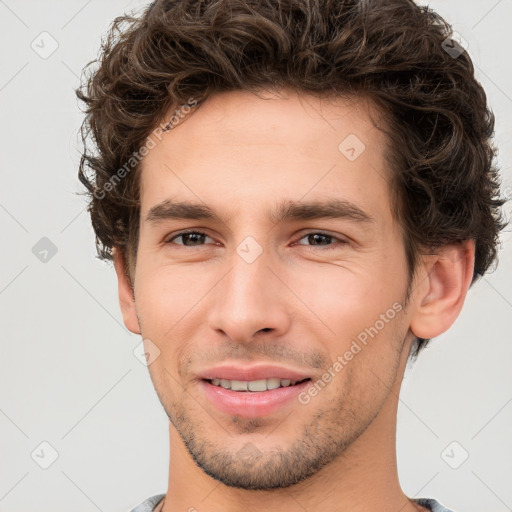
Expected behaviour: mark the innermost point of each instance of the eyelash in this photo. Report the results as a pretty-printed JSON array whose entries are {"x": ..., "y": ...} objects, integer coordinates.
[{"x": 324, "y": 248}]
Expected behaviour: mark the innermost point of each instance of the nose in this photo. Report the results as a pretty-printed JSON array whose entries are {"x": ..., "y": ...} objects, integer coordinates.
[{"x": 250, "y": 301}]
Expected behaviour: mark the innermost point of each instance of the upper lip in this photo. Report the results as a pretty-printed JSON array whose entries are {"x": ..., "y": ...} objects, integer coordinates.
[{"x": 251, "y": 372}]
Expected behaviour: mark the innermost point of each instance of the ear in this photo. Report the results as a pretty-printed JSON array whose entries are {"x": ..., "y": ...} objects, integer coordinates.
[
  {"x": 443, "y": 284},
  {"x": 125, "y": 291}
]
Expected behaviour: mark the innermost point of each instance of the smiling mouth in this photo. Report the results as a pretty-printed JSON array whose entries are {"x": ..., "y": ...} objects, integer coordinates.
[{"x": 254, "y": 386}]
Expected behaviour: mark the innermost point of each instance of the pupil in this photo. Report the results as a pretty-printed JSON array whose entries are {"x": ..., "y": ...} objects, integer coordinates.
[
  {"x": 194, "y": 235},
  {"x": 315, "y": 237}
]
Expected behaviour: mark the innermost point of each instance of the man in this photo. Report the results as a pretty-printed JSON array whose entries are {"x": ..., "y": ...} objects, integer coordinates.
[{"x": 297, "y": 197}]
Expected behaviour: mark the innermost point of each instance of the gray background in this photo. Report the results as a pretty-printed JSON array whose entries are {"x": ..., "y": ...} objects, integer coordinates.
[{"x": 68, "y": 375}]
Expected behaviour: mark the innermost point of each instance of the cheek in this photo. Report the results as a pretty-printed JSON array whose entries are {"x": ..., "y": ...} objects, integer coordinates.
[
  {"x": 369, "y": 379},
  {"x": 165, "y": 305},
  {"x": 369, "y": 351},
  {"x": 165, "y": 294},
  {"x": 350, "y": 299}
]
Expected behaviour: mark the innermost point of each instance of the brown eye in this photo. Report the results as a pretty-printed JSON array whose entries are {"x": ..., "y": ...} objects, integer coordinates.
[
  {"x": 189, "y": 238},
  {"x": 319, "y": 239}
]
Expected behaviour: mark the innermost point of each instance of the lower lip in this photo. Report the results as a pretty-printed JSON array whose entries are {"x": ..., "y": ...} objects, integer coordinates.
[{"x": 251, "y": 404}]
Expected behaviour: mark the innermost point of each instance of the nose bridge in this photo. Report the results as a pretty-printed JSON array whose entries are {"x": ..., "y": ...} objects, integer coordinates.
[{"x": 248, "y": 298}]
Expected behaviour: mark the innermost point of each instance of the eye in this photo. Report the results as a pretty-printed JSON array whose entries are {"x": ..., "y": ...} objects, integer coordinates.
[
  {"x": 316, "y": 239},
  {"x": 321, "y": 239},
  {"x": 189, "y": 238}
]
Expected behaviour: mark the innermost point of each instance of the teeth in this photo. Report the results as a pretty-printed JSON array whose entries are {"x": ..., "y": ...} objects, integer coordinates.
[
  {"x": 275, "y": 383},
  {"x": 239, "y": 385},
  {"x": 252, "y": 385},
  {"x": 257, "y": 385}
]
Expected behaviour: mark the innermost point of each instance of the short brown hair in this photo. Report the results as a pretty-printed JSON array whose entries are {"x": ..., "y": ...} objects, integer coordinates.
[{"x": 445, "y": 182}]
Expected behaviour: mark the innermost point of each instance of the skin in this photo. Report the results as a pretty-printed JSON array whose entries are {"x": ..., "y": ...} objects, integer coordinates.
[{"x": 300, "y": 304}]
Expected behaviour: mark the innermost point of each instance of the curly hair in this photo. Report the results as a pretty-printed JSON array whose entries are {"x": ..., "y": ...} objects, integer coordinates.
[{"x": 445, "y": 183}]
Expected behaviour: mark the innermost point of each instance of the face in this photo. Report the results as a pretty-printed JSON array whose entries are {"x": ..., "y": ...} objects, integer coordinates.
[{"x": 268, "y": 256}]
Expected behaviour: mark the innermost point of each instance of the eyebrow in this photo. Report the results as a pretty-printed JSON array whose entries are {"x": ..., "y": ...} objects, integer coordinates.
[{"x": 287, "y": 210}]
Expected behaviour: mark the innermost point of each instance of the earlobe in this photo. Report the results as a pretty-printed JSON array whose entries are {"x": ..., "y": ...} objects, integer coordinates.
[
  {"x": 125, "y": 291},
  {"x": 445, "y": 280}
]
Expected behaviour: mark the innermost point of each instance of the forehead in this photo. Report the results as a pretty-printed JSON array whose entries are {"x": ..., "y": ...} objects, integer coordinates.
[{"x": 241, "y": 150}]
